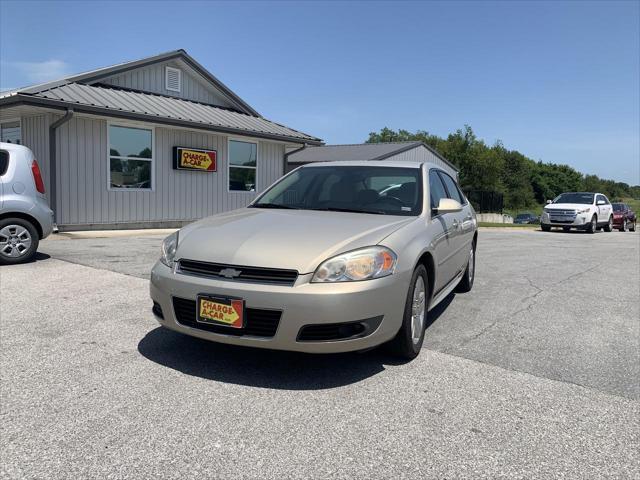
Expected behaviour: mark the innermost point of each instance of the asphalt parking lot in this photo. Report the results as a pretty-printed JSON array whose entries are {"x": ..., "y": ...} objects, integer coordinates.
[{"x": 534, "y": 374}]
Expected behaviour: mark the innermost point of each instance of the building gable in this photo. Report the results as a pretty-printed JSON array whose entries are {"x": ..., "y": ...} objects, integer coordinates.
[
  {"x": 148, "y": 75},
  {"x": 153, "y": 79}
]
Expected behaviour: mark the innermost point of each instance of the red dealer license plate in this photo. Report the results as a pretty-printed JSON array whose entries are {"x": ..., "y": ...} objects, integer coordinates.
[{"x": 221, "y": 311}]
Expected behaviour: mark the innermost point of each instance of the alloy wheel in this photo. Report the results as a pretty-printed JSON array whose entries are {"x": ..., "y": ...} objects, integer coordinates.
[
  {"x": 418, "y": 310},
  {"x": 15, "y": 241}
]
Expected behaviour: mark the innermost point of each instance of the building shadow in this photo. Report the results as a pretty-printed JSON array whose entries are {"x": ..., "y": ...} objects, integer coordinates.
[{"x": 262, "y": 368}]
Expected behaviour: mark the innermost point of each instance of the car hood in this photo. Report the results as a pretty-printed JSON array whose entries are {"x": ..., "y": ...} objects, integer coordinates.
[
  {"x": 566, "y": 206},
  {"x": 287, "y": 239}
]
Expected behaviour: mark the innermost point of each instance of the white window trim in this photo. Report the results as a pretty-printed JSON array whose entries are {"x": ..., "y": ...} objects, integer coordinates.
[
  {"x": 152, "y": 159},
  {"x": 168, "y": 69},
  {"x": 229, "y": 166},
  {"x": 12, "y": 120}
]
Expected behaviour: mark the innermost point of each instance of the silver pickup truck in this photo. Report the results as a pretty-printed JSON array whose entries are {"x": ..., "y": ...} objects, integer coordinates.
[{"x": 25, "y": 216}]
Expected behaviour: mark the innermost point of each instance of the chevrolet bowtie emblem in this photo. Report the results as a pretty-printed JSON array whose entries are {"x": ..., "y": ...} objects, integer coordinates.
[{"x": 230, "y": 272}]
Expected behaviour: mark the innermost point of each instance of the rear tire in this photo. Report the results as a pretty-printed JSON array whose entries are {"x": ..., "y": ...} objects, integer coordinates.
[
  {"x": 593, "y": 225},
  {"x": 408, "y": 341},
  {"x": 466, "y": 282},
  {"x": 609, "y": 226},
  {"x": 545, "y": 228},
  {"x": 632, "y": 228},
  {"x": 566, "y": 229},
  {"x": 18, "y": 241}
]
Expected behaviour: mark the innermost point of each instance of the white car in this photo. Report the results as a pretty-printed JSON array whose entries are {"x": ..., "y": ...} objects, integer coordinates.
[{"x": 580, "y": 210}]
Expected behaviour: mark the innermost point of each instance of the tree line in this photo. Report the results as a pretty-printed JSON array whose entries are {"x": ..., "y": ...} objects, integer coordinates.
[{"x": 523, "y": 181}]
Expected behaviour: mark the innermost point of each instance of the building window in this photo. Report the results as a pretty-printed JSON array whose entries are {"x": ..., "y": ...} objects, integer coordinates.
[
  {"x": 130, "y": 157},
  {"x": 243, "y": 157},
  {"x": 10, "y": 132}
]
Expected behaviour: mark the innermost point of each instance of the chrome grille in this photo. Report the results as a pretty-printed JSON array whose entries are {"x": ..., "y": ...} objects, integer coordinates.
[
  {"x": 561, "y": 215},
  {"x": 238, "y": 273}
]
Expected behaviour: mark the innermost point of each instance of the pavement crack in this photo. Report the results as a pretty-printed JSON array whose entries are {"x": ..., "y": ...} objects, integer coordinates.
[
  {"x": 578, "y": 274},
  {"x": 531, "y": 299}
]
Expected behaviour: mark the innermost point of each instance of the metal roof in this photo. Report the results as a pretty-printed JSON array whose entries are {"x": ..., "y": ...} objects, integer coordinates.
[
  {"x": 360, "y": 151},
  {"x": 159, "y": 109},
  {"x": 98, "y": 74}
]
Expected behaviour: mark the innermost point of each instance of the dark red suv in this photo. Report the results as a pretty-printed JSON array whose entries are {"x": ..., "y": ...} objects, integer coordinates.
[{"x": 623, "y": 217}]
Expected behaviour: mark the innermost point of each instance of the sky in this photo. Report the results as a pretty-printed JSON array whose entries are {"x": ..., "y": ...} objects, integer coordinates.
[{"x": 557, "y": 81}]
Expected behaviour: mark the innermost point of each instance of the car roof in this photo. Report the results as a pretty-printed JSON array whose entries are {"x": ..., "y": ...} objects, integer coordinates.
[
  {"x": 13, "y": 147},
  {"x": 584, "y": 193},
  {"x": 369, "y": 163}
]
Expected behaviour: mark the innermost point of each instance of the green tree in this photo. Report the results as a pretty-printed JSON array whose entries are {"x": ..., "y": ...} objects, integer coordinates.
[{"x": 523, "y": 181}]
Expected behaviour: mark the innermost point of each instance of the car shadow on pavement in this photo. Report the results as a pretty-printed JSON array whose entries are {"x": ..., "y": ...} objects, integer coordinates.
[
  {"x": 263, "y": 368},
  {"x": 38, "y": 257},
  {"x": 258, "y": 367}
]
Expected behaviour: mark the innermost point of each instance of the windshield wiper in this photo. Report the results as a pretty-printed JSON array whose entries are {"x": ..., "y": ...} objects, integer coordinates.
[
  {"x": 272, "y": 205},
  {"x": 350, "y": 210}
]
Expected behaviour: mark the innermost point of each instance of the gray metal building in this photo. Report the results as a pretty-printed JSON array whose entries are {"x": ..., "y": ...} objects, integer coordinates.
[
  {"x": 154, "y": 142},
  {"x": 400, "y": 151}
]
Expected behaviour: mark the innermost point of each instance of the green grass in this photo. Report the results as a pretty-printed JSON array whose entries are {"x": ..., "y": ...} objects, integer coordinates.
[
  {"x": 634, "y": 203},
  {"x": 506, "y": 225},
  {"x": 535, "y": 209}
]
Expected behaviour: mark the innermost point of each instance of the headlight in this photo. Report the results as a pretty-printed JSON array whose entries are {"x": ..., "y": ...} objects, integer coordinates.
[
  {"x": 363, "y": 264},
  {"x": 584, "y": 210},
  {"x": 169, "y": 247}
]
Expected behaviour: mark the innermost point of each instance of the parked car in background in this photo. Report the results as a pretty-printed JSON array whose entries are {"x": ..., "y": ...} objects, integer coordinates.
[
  {"x": 580, "y": 210},
  {"x": 526, "y": 218},
  {"x": 25, "y": 216},
  {"x": 623, "y": 217},
  {"x": 329, "y": 259}
]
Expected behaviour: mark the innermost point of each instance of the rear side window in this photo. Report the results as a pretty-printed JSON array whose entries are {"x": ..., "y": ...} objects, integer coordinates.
[
  {"x": 4, "y": 162},
  {"x": 436, "y": 189},
  {"x": 452, "y": 188}
]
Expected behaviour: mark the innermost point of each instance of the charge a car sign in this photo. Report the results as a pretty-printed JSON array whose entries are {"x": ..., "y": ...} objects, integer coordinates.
[
  {"x": 194, "y": 159},
  {"x": 221, "y": 311}
]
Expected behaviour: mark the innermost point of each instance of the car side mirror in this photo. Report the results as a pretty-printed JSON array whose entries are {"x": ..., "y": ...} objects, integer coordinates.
[
  {"x": 448, "y": 205},
  {"x": 600, "y": 202},
  {"x": 549, "y": 202}
]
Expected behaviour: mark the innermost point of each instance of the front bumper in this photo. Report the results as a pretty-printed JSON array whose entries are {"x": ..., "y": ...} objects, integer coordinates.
[
  {"x": 618, "y": 222},
  {"x": 301, "y": 305},
  {"x": 580, "y": 221}
]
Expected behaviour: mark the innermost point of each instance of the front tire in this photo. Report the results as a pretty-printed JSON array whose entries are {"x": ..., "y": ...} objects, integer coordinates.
[
  {"x": 566, "y": 229},
  {"x": 18, "y": 241},
  {"x": 593, "y": 225},
  {"x": 623, "y": 228},
  {"x": 632, "y": 228},
  {"x": 545, "y": 228},
  {"x": 609, "y": 226},
  {"x": 408, "y": 341}
]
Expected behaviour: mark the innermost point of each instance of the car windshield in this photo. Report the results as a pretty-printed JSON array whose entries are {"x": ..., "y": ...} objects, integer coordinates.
[
  {"x": 359, "y": 189},
  {"x": 618, "y": 207},
  {"x": 585, "y": 198},
  {"x": 523, "y": 216}
]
